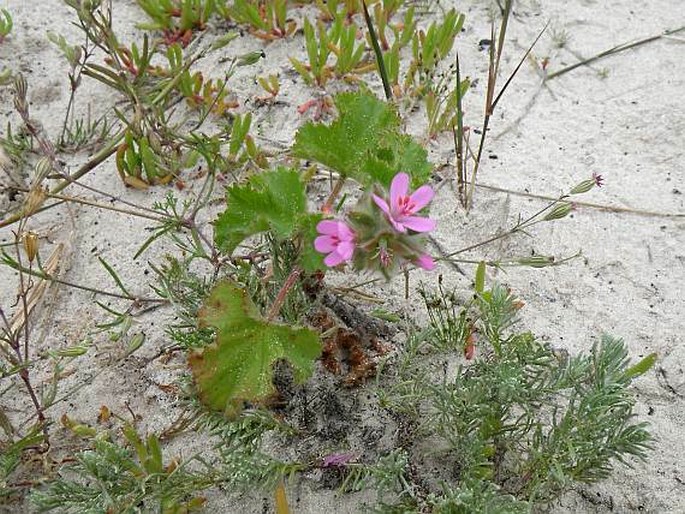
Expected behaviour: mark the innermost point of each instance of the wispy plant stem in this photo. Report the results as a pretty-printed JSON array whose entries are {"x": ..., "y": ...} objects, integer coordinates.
[
  {"x": 337, "y": 187},
  {"x": 614, "y": 50},
  {"x": 378, "y": 53}
]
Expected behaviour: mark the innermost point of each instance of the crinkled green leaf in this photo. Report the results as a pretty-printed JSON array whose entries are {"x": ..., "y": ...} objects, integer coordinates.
[
  {"x": 364, "y": 143},
  {"x": 272, "y": 200},
  {"x": 402, "y": 154},
  {"x": 237, "y": 367}
]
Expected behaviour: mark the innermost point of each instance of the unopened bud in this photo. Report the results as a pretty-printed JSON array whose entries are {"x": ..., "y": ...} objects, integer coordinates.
[
  {"x": 34, "y": 200},
  {"x": 561, "y": 210},
  {"x": 155, "y": 143},
  {"x": 31, "y": 245},
  {"x": 584, "y": 186},
  {"x": 43, "y": 169},
  {"x": 537, "y": 261},
  {"x": 20, "y": 87},
  {"x": 72, "y": 351}
]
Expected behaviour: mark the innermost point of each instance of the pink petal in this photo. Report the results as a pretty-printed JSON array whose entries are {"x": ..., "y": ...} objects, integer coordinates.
[
  {"x": 421, "y": 197},
  {"x": 382, "y": 204},
  {"x": 329, "y": 227},
  {"x": 426, "y": 262},
  {"x": 397, "y": 225},
  {"x": 324, "y": 244},
  {"x": 398, "y": 188},
  {"x": 418, "y": 224},
  {"x": 346, "y": 250},
  {"x": 345, "y": 233},
  {"x": 333, "y": 259}
]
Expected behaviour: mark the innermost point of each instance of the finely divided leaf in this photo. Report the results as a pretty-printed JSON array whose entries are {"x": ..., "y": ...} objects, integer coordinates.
[
  {"x": 237, "y": 367},
  {"x": 272, "y": 200}
]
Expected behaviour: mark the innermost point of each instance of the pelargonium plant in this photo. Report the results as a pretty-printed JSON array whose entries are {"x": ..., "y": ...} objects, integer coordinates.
[{"x": 384, "y": 232}]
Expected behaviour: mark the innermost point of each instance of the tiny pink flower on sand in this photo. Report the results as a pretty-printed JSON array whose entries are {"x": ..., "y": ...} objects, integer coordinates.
[
  {"x": 337, "y": 460},
  {"x": 599, "y": 180},
  {"x": 402, "y": 207},
  {"x": 337, "y": 240},
  {"x": 426, "y": 262}
]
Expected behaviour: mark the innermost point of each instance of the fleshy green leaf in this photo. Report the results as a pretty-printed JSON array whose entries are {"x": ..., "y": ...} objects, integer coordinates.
[
  {"x": 237, "y": 367},
  {"x": 641, "y": 367},
  {"x": 364, "y": 143},
  {"x": 480, "y": 278},
  {"x": 272, "y": 200}
]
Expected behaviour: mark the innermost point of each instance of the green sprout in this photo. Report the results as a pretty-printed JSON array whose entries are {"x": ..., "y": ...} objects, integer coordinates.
[
  {"x": 177, "y": 18},
  {"x": 268, "y": 20},
  {"x": 6, "y": 24}
]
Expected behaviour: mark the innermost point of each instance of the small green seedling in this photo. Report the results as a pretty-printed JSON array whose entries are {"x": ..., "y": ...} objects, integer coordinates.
[
  {"x": 382, "y": 13},
  {"x": 318, "y": 50},
  {"x": 429, "y": 48},
  {"x": 271, "y": 84},
  {"x": 329, "y": 8},
  {"x": 268, "y": 19},
  {"x": 340, "y": 40},
  {"x": 241, "y": 139},
  {"x": 177, "y": 18},
  {"x": 142, "y": 160},
  {"x": 206, "y": 95},
  {"x": 442, "y": 106}
]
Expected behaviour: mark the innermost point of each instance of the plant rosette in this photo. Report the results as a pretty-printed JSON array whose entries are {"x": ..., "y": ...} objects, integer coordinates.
[{"x": 384, "y": 232}]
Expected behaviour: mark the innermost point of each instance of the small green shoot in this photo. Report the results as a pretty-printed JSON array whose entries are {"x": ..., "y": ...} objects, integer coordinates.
[
  {"x": 6, "y": 24},
  {"x": 268, "y": 20},
  {"x": 177, "y": 18}
]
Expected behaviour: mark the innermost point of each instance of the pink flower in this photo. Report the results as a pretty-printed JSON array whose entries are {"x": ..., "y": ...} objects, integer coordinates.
[
  {"x": 599, "y": 180},
  {"x": 337, "y": 240},
  {"x": 336, "y": 460},
  {"x": 401, "y": 210},
  {"x": 426, "y": 262}
]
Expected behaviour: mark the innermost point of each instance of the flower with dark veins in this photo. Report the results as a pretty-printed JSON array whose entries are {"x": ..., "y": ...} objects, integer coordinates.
[
  {"x": 337, "y": 240},
  {"x": 402, "y": 207}
]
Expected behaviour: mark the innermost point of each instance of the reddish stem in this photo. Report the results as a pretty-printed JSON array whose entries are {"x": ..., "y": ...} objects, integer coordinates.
[{"x": 283, "y": 293}]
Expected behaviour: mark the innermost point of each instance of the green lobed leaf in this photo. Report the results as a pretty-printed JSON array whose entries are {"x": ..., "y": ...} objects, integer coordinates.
[
  {"x": 272, "y": 200},
  {"x": 364, "y": 143},
  {"x": 403, "y": 154},
  {"x": 237, "y": 367}
]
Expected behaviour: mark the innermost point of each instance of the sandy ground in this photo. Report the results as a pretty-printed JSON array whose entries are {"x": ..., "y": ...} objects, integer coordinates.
[{"x": 622, "y": 117}]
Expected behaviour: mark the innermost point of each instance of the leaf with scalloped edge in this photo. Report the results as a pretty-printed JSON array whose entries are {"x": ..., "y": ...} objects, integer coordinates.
[
  {"x": 365, "y": 142},
  {"x": 272, "y": 200},
  {"x": 237, "y": 367}
]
